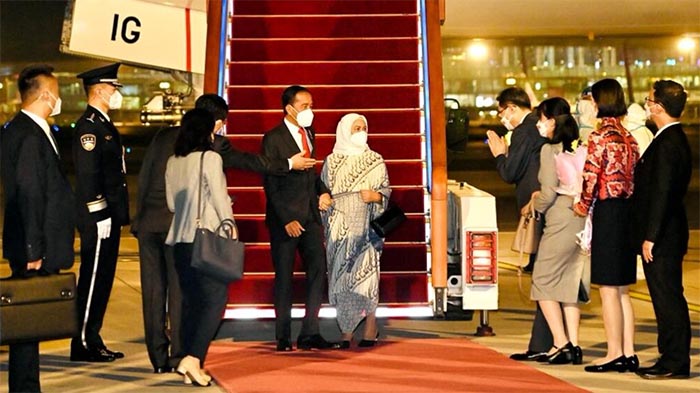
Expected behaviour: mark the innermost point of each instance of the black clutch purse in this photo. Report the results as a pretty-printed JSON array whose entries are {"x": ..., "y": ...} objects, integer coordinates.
[
  {"x": 388, "y": 221},
  {"x": 38, "y": 308}
]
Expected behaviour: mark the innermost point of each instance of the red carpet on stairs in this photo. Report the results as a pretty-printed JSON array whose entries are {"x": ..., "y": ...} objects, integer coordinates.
[
  {"x": 407, "y": 366},
  {"x": 354, "y": 56}
]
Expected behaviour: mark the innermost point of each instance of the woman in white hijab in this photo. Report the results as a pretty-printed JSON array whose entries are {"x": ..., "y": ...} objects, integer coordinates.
[
  {"x": 357, "y": 178},
  {"x": 635, "y": 123}
]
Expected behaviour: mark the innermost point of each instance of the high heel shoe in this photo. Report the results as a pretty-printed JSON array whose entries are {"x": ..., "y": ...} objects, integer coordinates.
[
  {"x": 188, "y": 368},
  {"x": 563, "y": 355},
  {"x": 619, "y": 365},
  {"x": 368, "y": 343},
  {"x": 632, "y": 363}
]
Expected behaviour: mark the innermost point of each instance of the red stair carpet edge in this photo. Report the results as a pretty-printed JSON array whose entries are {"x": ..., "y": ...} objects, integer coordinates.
[{"x": 410, "y": 365}]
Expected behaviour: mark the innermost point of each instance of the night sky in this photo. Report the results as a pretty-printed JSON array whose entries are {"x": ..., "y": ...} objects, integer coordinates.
[{"x": 30, "y": 31}]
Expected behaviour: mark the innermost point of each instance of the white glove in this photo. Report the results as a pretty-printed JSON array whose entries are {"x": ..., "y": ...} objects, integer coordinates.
[{"x": 104, "y": 227}]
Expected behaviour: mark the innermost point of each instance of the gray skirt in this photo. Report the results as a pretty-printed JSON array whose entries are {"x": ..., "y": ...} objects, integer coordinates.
[{"x": 560, "y": 268}]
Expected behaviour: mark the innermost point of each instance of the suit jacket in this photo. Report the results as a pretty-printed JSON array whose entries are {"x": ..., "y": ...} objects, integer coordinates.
[
  {"x": 152, "y": 214},
  {"x": 295, "y": 196},
  {"x": 39, "y": 203},
  {"x": 661, "y": 179},
  {"x": 523, "y": 161},
  {"x": 182, "y": 192},
  {"x": 100, "y": 171}
]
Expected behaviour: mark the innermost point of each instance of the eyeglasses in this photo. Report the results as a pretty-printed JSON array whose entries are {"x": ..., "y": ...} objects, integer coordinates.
[
  {"x": 647, "y": 99},
  {"x": 500, "y": 111}
]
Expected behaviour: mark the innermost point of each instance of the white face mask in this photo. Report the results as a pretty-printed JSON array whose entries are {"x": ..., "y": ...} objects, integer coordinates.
[
  {"x": 221, "y": 130},
  {"x": 359, "y": 139},
  {"x": 647, "y": 112},
  {"x": 542, "y": 128},
  {"x": 506, "y": 122},
  {"x": 115, "y": 100},
  {"x": 56, "y": 108},
  {"x": 305, "y": 117}
]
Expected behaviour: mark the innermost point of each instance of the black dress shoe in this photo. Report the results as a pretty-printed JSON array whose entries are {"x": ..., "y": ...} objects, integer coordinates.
[
  {"x": 632, "y": 363},
  {"x": 529, "y": 356},
  {"x": 90, "y": 355},
  {"x": 660, "y": 372},
  {"x": 284, "y": 345},
  {"x": 619, "y": 365},
  {"x": 163, "y": 370},
  {"x": 345, "y": 344},
  {"x": 577, "y": 355},
  {"x": 563, "y": 355},
  {"x": 368, "y": 343},
  {"x": 116, "y": 354},
  {"x": 316, "y": 341}
]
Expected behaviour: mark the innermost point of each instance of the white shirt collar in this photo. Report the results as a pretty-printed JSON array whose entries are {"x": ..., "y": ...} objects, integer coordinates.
[
  {"x": 294, "y": 130},
  {"x": 103, "y": 114},
  {"x": 665, "y": 127},
  {"x": 41, "y": 122}
]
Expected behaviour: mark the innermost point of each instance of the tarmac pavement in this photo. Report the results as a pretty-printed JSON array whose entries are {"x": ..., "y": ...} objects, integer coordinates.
[{"x": 123, "y": 331}]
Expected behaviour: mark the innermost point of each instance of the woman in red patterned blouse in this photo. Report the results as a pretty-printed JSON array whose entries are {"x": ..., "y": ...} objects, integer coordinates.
[{"x": 608, "y": 180}]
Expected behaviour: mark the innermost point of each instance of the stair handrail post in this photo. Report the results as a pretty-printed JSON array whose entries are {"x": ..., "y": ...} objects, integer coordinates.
[
  {"x": 438, "y": 146},
  {"x": 213, "y": 68}
]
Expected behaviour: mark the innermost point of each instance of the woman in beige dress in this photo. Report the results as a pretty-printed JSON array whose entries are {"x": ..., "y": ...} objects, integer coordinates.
[{"x": 559, "y": 272}]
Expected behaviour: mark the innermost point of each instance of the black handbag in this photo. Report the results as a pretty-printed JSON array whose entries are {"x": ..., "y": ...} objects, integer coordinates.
[
  {"x": 388, "y": 221},
  {"x": 38, "y": 308},
  {"x": 219, "y": 257}
]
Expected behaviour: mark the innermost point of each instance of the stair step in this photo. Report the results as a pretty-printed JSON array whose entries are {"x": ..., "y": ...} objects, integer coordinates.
[
  {"x": 324, "y": 26},
  {"x": 268, "y": 49},
  {"x": 393, "y": 288},
  {"x": 286, "y": 7},
  {"x": 401, "y": 173},
  {"x": 252, "y": 229},
  {"x": 323, "y": 73},
  {"x": 328, "y": 97},
  {"x": 358, "y": 56},
  {"x": 323, "y": 145},
  {"x": 325, "y": 120},
  {"x": 252, "y": 200},
  {"x": 396, "y": 257}
]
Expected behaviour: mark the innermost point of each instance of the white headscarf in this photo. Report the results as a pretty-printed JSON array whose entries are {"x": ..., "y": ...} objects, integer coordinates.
[
  {"x": 343, "y": 144},
  {"x": 635, "y": 123},
  {"x": 636, "y": 117}
]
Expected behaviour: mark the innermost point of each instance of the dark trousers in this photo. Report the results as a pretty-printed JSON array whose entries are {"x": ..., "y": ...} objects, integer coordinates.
[
  {"x": 23, "y": 369},
  {"x": 283, "y": 249},
  {"x": 665, "y": 281},
  {"x": 98, "y": 296},
  {"x": 203, "y": 303},
  {"x": 541, "y": 339},
  {"x": 160, "y": 286}
]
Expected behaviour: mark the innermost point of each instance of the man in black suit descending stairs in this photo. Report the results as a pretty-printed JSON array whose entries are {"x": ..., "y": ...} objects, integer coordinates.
[{"x": 294, "y": 221}]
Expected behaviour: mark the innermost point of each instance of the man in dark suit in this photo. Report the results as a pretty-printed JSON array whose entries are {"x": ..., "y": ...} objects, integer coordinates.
[
  {"x": 103, "y": 208},
  {"x": 660, "y": 227},
  {"x": 159, "y": 280},
  {"x": 294, "y": 221},
  {"x": 520, "y": 164},
  {"x": 39, "y": 226}
]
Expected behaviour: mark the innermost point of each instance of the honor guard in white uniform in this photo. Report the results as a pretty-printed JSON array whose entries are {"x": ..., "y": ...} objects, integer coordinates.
[{"x": 102, "y": 208}]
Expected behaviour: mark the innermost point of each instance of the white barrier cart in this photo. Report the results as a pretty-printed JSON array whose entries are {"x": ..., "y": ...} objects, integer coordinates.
[{"x": 477, "y": 237}]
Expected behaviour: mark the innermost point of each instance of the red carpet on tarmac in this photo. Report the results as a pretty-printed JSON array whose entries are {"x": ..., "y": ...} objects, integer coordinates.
[{"x": 406, "y": 365}]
